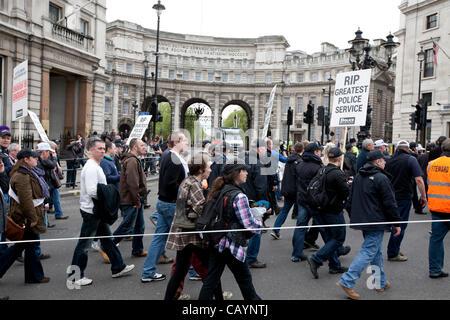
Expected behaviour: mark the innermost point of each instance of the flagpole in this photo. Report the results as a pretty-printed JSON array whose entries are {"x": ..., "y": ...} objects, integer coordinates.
[{"x": 435, "y": 43}]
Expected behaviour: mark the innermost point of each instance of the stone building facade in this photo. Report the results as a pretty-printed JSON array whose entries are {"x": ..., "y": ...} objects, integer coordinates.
[
  {"x": 65, "y": 62},
  {"x": 422, "y": 21},
  {"x": 220, "y": 72}
]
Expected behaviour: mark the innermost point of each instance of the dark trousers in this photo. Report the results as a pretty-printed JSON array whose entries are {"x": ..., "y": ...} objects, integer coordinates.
[
  {"x": 240, "y": 270},
  {"x": 71, "y": 176},
  {"x": 182, "y": 263},
  {"x": 415, "y": 201},
  {"x": 91, "y": 227},
  {"x": 393, "y": 249},
  {"x": 32, "y": 261},
  {"x": 132, "y": 223}
]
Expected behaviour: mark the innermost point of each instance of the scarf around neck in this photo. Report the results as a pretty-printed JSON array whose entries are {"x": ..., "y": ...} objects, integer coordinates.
[{"x": 38, "y": 174}]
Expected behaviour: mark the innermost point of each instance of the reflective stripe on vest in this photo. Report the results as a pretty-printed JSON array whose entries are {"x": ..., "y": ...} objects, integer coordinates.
[{"x": 439, "y": 185}]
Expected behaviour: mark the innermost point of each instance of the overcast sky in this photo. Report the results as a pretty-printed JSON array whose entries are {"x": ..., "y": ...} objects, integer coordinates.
[{"x": 305, "y": 24}]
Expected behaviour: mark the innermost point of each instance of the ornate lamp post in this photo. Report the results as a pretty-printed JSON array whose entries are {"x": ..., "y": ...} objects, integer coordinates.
[
  {"x": 198, "y": 110},
  {"x": 159, "y": 9}
]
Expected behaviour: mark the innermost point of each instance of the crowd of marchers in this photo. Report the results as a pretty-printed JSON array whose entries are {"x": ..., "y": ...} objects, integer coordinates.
[{"x": 212, "y": 190}]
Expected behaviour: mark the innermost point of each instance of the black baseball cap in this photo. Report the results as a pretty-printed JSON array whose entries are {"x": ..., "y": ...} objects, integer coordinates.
[
  {"x": 229, "y": 168},
  {"x": 375, "y": 155},
  {"x": 27, "y": 153},
  {"x": 4, "y": 132},
  {"x": 348, "y": 146},
  {"x": 352, "y": 140},
  {"x": 334, "y": 153},
  {"x": 312, "y": 147}
]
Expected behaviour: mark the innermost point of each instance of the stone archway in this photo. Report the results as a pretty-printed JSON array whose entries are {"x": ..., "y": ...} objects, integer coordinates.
[
  {"x": 126, "y": 124},
  {"x": 189, "y": 118},
  {"x": 244, "y": 105}
]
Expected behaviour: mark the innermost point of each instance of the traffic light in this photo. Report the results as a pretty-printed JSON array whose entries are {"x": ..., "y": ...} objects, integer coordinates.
[
  {"x": 412, "y": 121},
  {"x": 320, "y": 115},
  {"x": 159, "y": 117},
  {"x": 309, "y": 114},
  {"x": 290, "y": 117},
  {"x": 369, "y": 118},
  {"x": 418, "y": 115}
]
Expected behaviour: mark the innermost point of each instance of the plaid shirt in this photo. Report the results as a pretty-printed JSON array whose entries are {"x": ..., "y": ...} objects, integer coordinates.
[
  {"x": 245, "y": 217},
  {"x": 192, "y": 191}
]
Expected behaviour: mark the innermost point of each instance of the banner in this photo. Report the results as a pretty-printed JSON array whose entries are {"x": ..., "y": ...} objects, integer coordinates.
[
  {"x": 269, "y": 112},
  {"x": 38, "y": 125},
  {"x": 351, "y": 97},
  {"x": 139, "y": 128},
  {"x": 20, "y": 91}
]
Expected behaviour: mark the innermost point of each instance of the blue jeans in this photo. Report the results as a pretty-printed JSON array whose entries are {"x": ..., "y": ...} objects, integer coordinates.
[
  {"x": 283, "y": 214},
  {"x": 3, "y": 247},
  {"x": 166, "y": 211},
  {"x": 304, "y": 215},
  {"x": 57, "y": 204},
  {"x": 335, "y": 240},
  {"x": 278, "y": 192},
  {"x": 91, "y": 227},
  {"x": 32, "y": 262},
  {"x": 404, "y": 206},
  {"x": 253, "y": 248},
  {"x": 371, "y": 253},
  {"x": 71, "y": 176},
  {"x": 436, "y": 248},
  {"x": 132, "y": 223}
]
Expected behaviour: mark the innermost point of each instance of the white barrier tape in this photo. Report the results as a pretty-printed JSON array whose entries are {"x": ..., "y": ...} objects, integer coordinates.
[{"x": 229, "y": 230}]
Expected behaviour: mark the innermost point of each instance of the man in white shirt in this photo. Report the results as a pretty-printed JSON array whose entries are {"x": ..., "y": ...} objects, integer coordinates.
[{"x": 91, "y": 175}]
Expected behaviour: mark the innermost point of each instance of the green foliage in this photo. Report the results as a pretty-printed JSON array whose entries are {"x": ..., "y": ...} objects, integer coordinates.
[
  {"x": 242, "y": 120},
  {"x": 166, "y": 124}
]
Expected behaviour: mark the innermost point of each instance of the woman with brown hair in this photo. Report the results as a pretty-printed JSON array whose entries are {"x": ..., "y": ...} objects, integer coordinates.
[
  {"x": 189, "y": 206},
  {"x": 27, "y": 191}
]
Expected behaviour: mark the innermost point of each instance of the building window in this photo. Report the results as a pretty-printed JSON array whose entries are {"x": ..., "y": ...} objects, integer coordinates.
[
  {"x": 108, "y": 87},
  {"x": 300, "y": 78},
  {"x": 198, "y": 76},
  {"x": 84, "y": 27},
  {"x": 237, "y": 78},
  {"x": 125, "y": 108},
  {"x": 109, "y": 65},
  {"x": 314, "y": 77},
  {"x": 327, "y": 75},
  {"x": 107, "y": 125},
  {"x": 300, "y": 105},
  {"x": 379, "y": 96},
  {"x": 428, "y": 70},
  {"x": 251, "y": 79},
  {"x": 210, "y": 77},
  {"x": 427, "y": 98},
  {"x": 313, "y": 101},
  {"x": 125, "y": 90},
  {"x": 128, "y": 67},
  {"x": 54, "y": 12},
  {"x": 287, "y": 102},
  {"x": 2, "y": 4},
  {"x": 268, "y": 78},
  {"x": 107, "y": 106},
  {"x": 432, "y": 21},
  {"x": 224, "y": 77},
  {"x": 185, "y": 75},
  {"x": 287, "y": 78},
  {"x": 171, "y": 74}
]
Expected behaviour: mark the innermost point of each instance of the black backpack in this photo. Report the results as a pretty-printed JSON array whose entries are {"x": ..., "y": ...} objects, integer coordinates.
[
  {"x": 214, "y": 215},
  {"x": 316, "y": 193}
]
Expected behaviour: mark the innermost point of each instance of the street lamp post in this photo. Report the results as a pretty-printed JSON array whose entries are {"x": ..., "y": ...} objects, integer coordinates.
[
  {"x": 159, "y": 9},
  {"x": 360, "y": 52},
  {"x": 135, "y": 106},
  {"x": 145, "y": 77},
  {"x": 423, "y": 121},
  {"x": 327, "y": 116}
]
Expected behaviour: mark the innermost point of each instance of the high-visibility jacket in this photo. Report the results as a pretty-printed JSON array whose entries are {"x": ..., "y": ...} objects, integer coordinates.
[{"x": 439, "y": 185}]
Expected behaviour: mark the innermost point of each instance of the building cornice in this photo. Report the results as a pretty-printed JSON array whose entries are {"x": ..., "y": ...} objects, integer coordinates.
[{"x": 405, "y": 9}]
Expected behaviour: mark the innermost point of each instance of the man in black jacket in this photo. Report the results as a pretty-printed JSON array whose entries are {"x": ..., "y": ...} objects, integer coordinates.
[
  {"x": 304, "y": 172},
  {"x": 288, "y": 188},
  {"x": 337, "y": 189},
  {"x": 372, "y": 199},
  {"x": 349, "y": 161}
]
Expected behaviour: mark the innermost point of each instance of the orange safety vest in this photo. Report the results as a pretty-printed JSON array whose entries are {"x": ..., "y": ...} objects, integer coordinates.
[{"x": 439, "y": 185}]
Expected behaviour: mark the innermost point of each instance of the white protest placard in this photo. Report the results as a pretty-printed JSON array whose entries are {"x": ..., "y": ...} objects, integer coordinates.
[
  {"x": 351, "y": 97},
  {"x": 38, "y": 125},
  {"x": 140, "y": 127},
  {"x": 20, "y": 91},
  {"x": 269, "y": 112}
]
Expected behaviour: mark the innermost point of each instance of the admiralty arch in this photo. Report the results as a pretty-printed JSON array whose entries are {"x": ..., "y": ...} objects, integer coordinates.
[{"x": 222, "y": 72}]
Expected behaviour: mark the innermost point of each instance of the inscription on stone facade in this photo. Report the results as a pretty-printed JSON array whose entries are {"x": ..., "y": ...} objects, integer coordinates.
[{"x": 193, "y": 50}]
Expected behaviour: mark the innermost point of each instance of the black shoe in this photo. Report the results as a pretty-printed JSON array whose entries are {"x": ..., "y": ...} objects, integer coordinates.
[
  {"x": 307, "y": 245},
  {"x": 146, "y": 206},
  {"x": 20, "y": 259},
  {"x": 347, "y": 249},
  {"x": 313, "y": 266},
  {"x": 257, "y": 265},
  {"x": 440, "y": 275},
  {"x": 62, "y": 218},
  {"x": 51, "y": 225},
  {"x": 336, "y": 271},
  {"x": 294, "y": 217},
  {"x": 44, "y": 256}
]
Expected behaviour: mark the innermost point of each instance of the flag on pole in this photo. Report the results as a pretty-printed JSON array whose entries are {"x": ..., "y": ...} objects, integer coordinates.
[{"x": 435, "y": 52}]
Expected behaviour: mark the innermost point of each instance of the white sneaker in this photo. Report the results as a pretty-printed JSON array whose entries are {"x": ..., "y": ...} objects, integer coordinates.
[
  {"x": 95, "y": 245},
  {"x": 227, "y": 295},
  {"x": 185, "y": 297},
  {"x": 125, "y": 270},
  {"x": 83, "y": 282}
]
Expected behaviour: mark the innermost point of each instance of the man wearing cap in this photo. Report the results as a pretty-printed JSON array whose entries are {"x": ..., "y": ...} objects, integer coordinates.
[
  {"x": 337, "y": 190},
  {"x": 349, "y": 161},
  {"x": 367, "y": 146},
  {"x": 404, "y": 169},
  {"x": 439, "y": 204},
  {"x": 382, "y": 146},
  {"x": 437, "y": 151},
  {"x": 354, "y": 147},
  {"x": 372, "y": 199},
  {"x": 305, "y": 171},
  {"x": 5, "y": 141}
]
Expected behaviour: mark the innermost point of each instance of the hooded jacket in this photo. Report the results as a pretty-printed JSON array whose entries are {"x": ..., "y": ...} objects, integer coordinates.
[
  {"x": 288, "y": 185},
  {"x": 362, "y": 159},
  {"x": 372, "y": 199},
  {"x": 256, "y": 186},
  {"x": 133, "y": 184},
  {"x": 305, "y": 171}
]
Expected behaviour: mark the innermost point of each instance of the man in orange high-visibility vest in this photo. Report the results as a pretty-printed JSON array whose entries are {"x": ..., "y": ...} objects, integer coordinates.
[{"x": 439, "y": 204}]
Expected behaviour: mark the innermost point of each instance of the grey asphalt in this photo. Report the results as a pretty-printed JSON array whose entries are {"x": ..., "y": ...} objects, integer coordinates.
[{"x": 281, "y": 280}]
